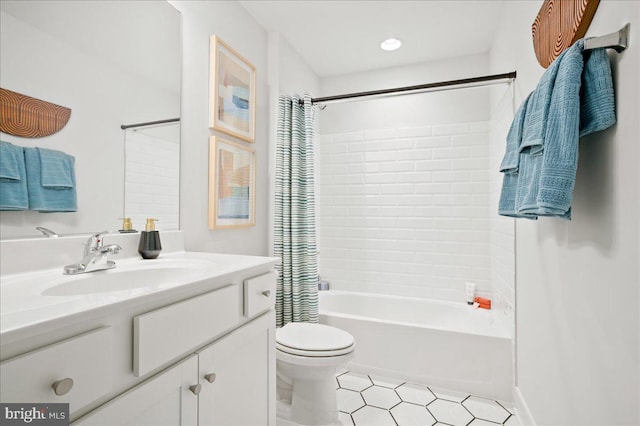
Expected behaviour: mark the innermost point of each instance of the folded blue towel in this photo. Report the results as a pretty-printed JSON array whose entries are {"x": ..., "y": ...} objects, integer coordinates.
[
  {"x": 573, "y": 98},
  {"x": 546, "y": 179},
  {"x": 50, "y": 180},
  {"x": 597, "y": 100},
  {"x": 56, "y": 169},
  {"x": 538, "y": 111},
  {"x": 514, "y": 139},
  {"x": 560, "y": 160},
  {"x": 13, "y": 178},
  {"x": 510, "y": 163},
  {"x": 591, "y": 109}
]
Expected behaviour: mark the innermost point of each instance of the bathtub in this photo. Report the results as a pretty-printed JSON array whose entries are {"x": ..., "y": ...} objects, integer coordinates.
[{"x": 443, "y": 344}]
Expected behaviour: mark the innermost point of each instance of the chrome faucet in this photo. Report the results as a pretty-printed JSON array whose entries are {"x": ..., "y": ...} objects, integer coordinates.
[
  {"x": 95, "y": 256},
  {"x": 48, "y": 232}
]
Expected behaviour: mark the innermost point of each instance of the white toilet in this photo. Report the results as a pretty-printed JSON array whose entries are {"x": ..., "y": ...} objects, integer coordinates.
[{"x": 308, "y": 357}]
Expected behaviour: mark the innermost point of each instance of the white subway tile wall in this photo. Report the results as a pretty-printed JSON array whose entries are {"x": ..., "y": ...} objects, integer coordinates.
[
  {"x": 502, "y": 235},
  {"x": 152, "y": 180},
  {"x": 405, "y": 211}
]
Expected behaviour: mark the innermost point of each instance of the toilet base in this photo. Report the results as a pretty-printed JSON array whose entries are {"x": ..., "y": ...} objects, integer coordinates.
[
  {"x": 283, "y": 416},
  {"x": 310, "y": 401}
]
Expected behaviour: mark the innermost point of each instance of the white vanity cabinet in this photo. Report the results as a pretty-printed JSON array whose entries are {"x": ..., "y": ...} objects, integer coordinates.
[
  {"x": 237, "y": 382},
  {"x": 227, "y": 383},
  {"x": 167, "y": 399},
  {"x": 203, "y": 355}
]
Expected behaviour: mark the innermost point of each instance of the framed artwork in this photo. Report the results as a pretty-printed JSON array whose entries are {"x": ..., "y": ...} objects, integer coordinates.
[
  {"x": 232, "y": 184},
  {"x": 232, "y": 96}
]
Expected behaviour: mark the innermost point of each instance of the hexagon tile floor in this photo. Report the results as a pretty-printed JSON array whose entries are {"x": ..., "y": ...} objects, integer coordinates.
[{"x": 366, "y": 400}]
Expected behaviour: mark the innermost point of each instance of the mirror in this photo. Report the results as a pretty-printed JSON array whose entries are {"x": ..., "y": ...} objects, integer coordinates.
[
  {"x": 152, "y": 175},
  {"x": 111, "y": 64}
]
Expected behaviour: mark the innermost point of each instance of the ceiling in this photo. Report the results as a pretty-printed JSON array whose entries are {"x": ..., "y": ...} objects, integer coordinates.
[{"x": 341, "y": 37}]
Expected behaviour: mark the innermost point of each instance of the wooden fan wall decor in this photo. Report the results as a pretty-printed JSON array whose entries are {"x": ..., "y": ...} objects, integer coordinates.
[
  {"x": 559, "y": 24},
  {"x": 29, "y": 117}
]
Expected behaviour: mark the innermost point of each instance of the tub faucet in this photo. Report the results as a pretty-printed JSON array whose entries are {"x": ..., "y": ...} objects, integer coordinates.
[{"x": 95, "y": 256}]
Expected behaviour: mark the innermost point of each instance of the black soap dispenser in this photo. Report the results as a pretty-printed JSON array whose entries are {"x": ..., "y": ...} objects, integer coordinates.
[{"x": 149, "y": 247}]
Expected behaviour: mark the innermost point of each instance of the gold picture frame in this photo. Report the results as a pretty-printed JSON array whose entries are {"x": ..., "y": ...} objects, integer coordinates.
[
  {"x": 232, "y": 91},
  {"x": 232, "y": 184}
]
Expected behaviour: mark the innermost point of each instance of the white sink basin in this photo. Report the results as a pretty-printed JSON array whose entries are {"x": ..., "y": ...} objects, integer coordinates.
[
  {"x": 130, "y": 278},
  {"x": 127, "y": 278}
]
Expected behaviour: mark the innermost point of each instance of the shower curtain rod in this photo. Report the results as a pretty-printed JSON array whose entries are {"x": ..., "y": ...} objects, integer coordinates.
[
  {"x": 149, "y": 123},
  {"x": 421, "y": 88}
]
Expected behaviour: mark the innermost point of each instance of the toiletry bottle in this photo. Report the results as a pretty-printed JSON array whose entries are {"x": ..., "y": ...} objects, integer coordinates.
[
  {"x": 149, "y": 247},
  {"x": 127, "y": 227},
  {"x": 471, "y": 293}
]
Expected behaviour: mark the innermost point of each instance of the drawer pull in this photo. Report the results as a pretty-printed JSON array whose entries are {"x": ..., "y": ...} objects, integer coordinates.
[
  {"x": 210, "y": 377},
  {"x": 195, "y": 389},
  {"x": 266, "y": 293},
  {"x": 62, "y": 387}
]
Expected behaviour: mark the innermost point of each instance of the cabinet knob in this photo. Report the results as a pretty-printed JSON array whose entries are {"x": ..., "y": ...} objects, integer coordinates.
[
  {"x": 266, "y": 293},
  {"x": 210, "y": 377},
  {"x": 195, "y": 389},
  {"x": 62, "y": 387}
]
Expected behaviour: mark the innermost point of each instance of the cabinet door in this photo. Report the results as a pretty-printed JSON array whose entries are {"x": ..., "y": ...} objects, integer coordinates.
[
  {"x": 242, "y": 392},
  {"x": 165, "y": 399}
]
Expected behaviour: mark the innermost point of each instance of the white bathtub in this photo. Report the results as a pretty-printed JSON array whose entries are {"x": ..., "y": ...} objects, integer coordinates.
[{"x": 442, "y": 344}]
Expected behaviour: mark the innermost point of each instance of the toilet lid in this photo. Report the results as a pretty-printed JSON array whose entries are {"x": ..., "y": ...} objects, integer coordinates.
[{"x": 302, "y": 337}]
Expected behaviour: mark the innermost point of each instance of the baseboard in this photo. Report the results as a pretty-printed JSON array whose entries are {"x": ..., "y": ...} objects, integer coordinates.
[{"x": 522, "y": 410}]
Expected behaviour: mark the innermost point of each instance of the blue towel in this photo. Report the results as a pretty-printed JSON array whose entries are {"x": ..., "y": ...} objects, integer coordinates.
[
  {"x": 597, "y": 106},
  {"x": 546, "y": 179},
  {"x": 13, "y": 178},
  {"x": 510, "y": 163},
  {"x": 50, "y": 180},
  {"x": 591, "y": 109},
  {"x": 574, "y": 98},
  {"x": 56, "y": 169}
]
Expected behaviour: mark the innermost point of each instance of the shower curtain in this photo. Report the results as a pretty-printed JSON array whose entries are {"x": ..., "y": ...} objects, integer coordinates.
[{"x": 295, "y": 215}]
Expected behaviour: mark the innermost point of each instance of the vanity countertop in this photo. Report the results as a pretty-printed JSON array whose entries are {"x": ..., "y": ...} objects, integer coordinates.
[{"x": 34, "y": 302}]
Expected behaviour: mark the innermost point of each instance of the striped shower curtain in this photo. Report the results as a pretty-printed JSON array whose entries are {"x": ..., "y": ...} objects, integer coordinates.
[{"x": 295, "y": 227}]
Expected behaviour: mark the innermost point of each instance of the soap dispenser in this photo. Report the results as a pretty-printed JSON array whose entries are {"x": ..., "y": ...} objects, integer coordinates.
[
  {"x": 149, "y": 247},
  {"x": 127, "y": 227}
]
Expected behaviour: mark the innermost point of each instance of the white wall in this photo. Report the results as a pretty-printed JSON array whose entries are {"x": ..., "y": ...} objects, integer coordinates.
[
  {"x": 235, "y": 26},
  {"x": 295, "y": 76},
  {"x": 578, "y": 304},
  {"x": 445, "y": 107},
  {"x": 102, "y": 96},
  {"x": 289, "y": 74}
]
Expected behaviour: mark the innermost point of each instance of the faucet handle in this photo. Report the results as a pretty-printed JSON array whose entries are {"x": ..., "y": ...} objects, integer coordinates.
[{"x": 94, "y": 242}]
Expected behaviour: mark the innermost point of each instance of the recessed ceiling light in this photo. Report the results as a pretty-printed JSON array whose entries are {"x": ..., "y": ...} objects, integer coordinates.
[{"x": 390, "y": 44}]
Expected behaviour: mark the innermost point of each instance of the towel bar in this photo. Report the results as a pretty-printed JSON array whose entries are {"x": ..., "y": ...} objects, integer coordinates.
[{"x": 617, "y": 41}]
